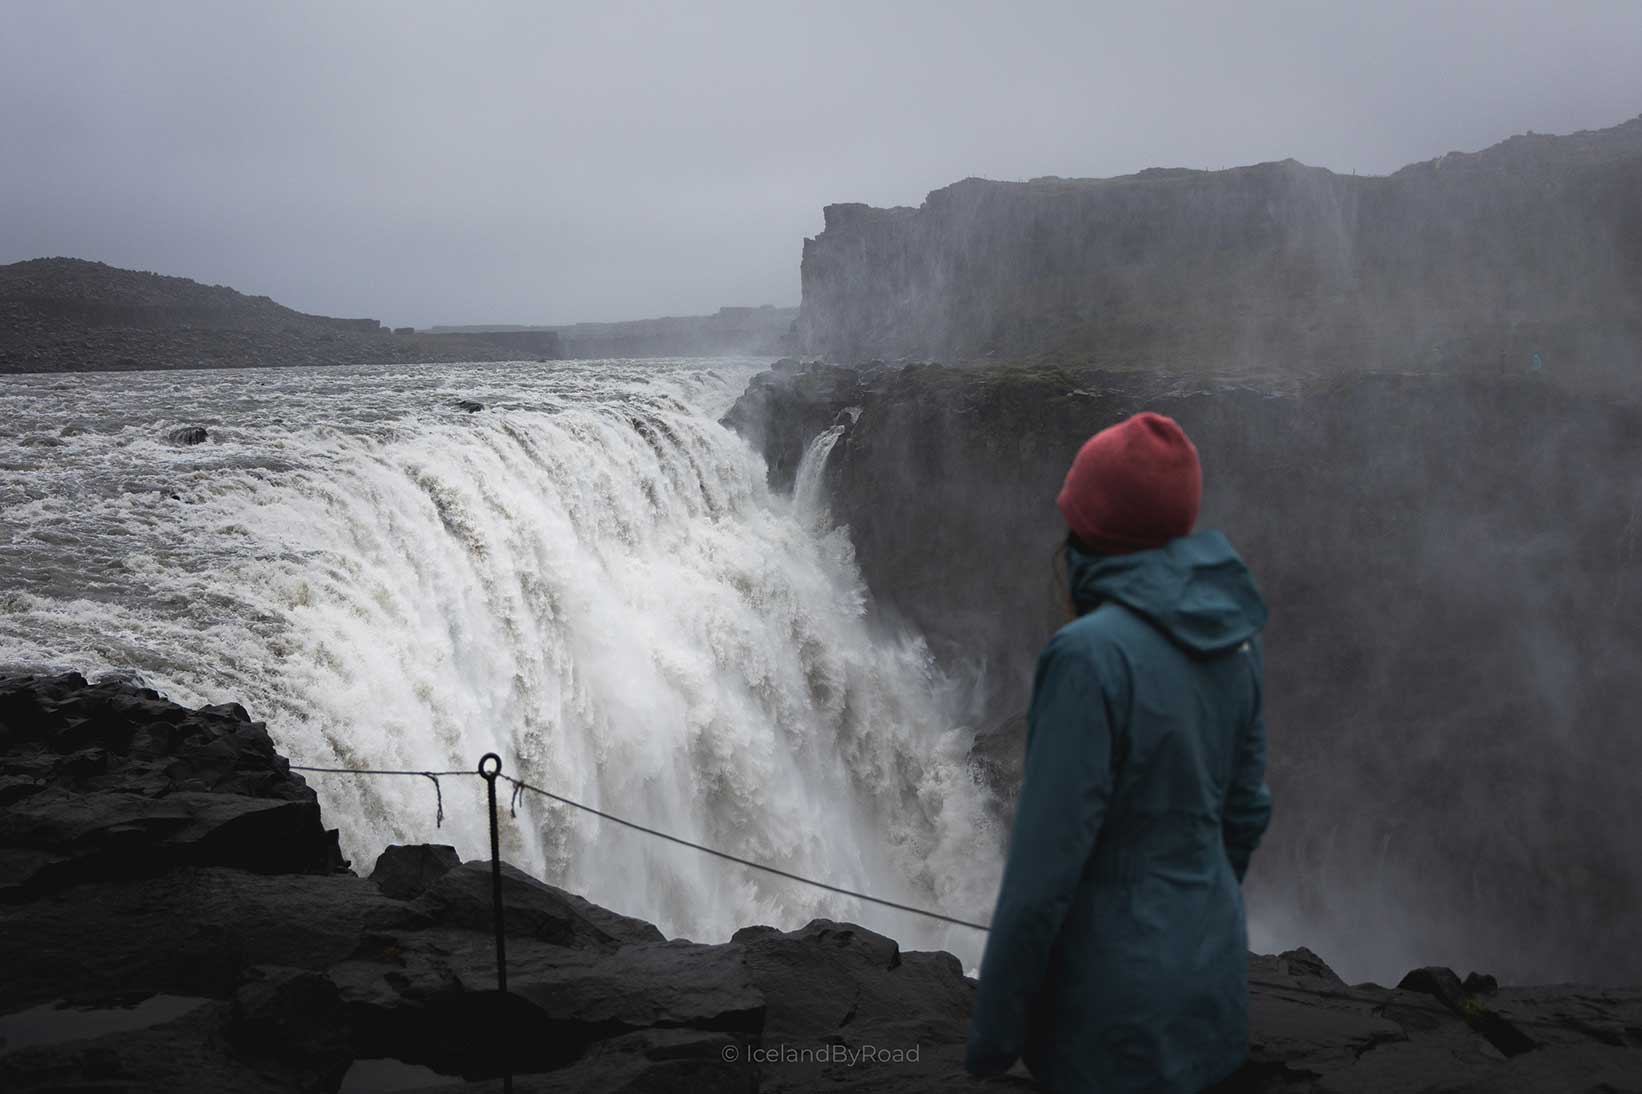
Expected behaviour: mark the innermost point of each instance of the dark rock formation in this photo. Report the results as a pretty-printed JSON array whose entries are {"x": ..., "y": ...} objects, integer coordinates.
[
  {"x": 1434, "y": 549},
  {"x": 172, "y": 972},
  {"x": 106, "y": 779},
  {"x": 1483, "y": 260},
  {"x": 67, "y": 315},
  {"x": 470, "y": 406},
  {"x": 782, "y": 410},
  {"x": 1445, "y": 986},
  {"x": 406, "y": 872},
  {"x": 193, "y": 434}
]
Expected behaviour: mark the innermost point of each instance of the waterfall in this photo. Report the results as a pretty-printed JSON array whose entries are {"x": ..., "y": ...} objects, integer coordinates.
[
  {"x": 593, "y": 582},
  {"x": 809, "y": 491}
]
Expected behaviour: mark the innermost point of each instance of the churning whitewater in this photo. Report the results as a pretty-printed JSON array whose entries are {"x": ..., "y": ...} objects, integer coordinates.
[{"x": 589, "y": 577}]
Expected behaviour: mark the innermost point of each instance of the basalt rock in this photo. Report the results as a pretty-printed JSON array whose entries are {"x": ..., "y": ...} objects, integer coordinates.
[
  {"x": 462, "y": 898},
  {"x": 269, "y": 975},
  {"x": 110, "y": 779},
  {"x": 189, "y": 435},
  {"x": 406, "y": 872}
]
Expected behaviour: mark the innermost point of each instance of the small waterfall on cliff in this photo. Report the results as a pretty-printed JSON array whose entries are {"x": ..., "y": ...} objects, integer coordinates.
[
  {"x": 809, "y": 490},
  {"x": 593, "y": 582}
]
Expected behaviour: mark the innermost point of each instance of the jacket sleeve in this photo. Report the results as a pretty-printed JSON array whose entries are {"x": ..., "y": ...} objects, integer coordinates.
[
  {"x": 1062, "y": 802},
  {"x": 1248, "y": 799}
]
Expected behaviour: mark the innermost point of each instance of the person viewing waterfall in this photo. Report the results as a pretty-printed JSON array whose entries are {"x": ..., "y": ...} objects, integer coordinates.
[{"x": 1117, "y": 959}]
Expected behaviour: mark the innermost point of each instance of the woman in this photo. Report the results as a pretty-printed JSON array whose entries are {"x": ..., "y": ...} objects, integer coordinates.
[{"x": 1117, "y": 959}]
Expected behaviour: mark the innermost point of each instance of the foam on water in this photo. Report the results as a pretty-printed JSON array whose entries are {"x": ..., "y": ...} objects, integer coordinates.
[{"x": 588, "y": 577}]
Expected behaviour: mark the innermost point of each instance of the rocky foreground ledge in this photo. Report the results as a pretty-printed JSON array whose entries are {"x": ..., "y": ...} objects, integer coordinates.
[{"x": 174, "y": 916}]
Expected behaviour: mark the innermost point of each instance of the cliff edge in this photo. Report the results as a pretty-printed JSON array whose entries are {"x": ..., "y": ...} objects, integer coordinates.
[{"x": 1475, "y": 261}]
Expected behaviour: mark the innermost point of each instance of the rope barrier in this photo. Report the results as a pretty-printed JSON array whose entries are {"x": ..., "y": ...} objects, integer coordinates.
[
  {"x": 490, "y": 769},
  {"x": 433, "y": 776},
  {"x": 520, "y": 786}
]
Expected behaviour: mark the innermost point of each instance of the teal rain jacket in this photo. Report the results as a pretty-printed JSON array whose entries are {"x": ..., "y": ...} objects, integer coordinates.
[{"x": 1118, "y": 955}]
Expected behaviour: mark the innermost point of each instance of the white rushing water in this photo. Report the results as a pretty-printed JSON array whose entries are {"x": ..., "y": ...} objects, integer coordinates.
[
  {"x": 809, "y": 492},
  {"x": 588, "y": 577}
]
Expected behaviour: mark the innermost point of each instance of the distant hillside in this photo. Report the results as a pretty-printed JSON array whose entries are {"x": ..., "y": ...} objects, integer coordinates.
[
  {"x": 1532, "y": 246},
  {"x": 69, "y": 315},
  {"x": 752, "y": 331}
]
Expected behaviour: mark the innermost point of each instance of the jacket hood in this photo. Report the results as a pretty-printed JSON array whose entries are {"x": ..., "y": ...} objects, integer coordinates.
[{"x": 1195, "y": 589}]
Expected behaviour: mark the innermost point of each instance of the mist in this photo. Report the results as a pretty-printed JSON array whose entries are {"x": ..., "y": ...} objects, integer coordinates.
[{"x": 511, "y": 163}]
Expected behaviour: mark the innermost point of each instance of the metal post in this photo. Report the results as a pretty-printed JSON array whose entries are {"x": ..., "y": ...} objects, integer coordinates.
[{"x": 490, "y": 765}]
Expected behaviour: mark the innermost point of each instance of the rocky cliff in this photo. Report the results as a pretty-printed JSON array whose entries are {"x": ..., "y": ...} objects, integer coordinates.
[
  {"x": 1478, "y": 261},
  {"x": 173, "y": 918},
  {"x": 1451, "y": 567},
  {"x": 68, "y": 315}
]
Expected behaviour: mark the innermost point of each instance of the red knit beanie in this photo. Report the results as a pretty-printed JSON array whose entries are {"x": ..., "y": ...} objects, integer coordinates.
[{"x": 1133, "y": 487}]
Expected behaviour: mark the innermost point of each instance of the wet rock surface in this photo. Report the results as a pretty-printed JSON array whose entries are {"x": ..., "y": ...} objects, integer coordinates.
[
  {"x": 782, "y": 410},
  {"x": 189, "y": 435},
  {"x": 179, "y": 971}
]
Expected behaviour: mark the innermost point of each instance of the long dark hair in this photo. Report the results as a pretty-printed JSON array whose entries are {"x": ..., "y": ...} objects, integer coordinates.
[{"x": 1060, "y": 566}]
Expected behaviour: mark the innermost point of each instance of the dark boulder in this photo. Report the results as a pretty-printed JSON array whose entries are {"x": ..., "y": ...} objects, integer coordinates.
[
  {"x": 188, "y": 435},
  {"x": 1481, "y": 983},
  {"x": 1445, "y": 986},
  {"x": 829, "y": 975},
  {"x": 470, "y": 406},
  {"x": 462, "y": 898},
  {"x": 406, "y": 872},
  {"x": 1437, "y": 981}
]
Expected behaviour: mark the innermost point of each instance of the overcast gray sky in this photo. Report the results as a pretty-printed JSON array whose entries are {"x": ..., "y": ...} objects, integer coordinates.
[{"x": 549, "y": 162}]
